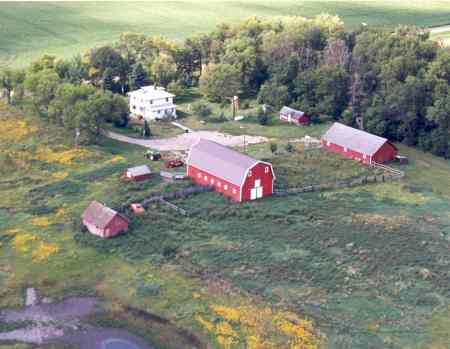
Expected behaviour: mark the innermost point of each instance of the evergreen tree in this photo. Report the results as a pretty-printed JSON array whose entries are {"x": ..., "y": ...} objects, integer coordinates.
[
  {"x": 108, "y": 82},
  {"x": 138, "y": 77},
  {"x": 146, "y": 129}
]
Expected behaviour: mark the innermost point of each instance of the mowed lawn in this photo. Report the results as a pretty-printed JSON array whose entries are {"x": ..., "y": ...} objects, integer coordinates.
[{"x": 30, "y": 29}]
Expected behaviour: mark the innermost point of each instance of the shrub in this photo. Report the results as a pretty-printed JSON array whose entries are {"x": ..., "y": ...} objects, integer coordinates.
[
  {"x": 289, "y": 148},
  {"x": 273, "y": 147},
  {"x": 202, "y": 109}
]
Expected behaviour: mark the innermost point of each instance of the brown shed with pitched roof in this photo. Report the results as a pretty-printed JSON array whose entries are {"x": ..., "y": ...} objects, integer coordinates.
[{"x": 103, "y": 221}]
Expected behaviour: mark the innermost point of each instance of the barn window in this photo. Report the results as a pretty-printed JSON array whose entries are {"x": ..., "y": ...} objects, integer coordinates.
[
  {"x": 345, "y": 149},
  {"x": 250, "y": 173},
  {"x": 328, "y": 143},
  {"x": 212, "y": 181},
  {"x": 225, "y": 187},
  {"x": 364, "y": 156},
  {"x": 234, "y": 190},
  {"x": 219, "y": 184},
  {"x": 206, "y": 178},
  {"x": 266, "y": 170},
  {"x": 199, "y": 175}
]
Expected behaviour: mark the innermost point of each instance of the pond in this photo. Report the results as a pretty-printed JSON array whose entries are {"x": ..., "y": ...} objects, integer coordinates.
[{"x": 114, "y": 343}]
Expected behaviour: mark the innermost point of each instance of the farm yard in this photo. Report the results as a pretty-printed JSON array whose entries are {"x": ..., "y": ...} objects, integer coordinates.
[
  {"x": 303, "y": 263},
  {"x": 190, "y": 215},
  {"x": 67, "y": 28}
]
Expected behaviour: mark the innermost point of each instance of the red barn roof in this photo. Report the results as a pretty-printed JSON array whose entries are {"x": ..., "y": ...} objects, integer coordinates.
[
  {"x": 217, "y": 159},
  {"x": 352, "y": 138},
  {"x": 99, "y": 214}
]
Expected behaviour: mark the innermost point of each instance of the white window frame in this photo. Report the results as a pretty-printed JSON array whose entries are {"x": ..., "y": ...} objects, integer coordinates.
[
  {"x": 225, "y": 186},
  {"x": 250, "y": 173},
  {"x": 199, "y": 175},
  {"x": 212, "y": 181},
  {"x": 205, "y": 178},
  {"x": 266, "y": 170},
  {"x": 328, "y": 143},
  {"x": 345, "y": 149},
  {"x": 219, "y": 184},
  {"x": 234, "y": 191}
]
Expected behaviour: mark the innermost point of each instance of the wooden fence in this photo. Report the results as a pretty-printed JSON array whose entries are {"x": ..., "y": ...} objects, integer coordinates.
[
  {"x": 163, "y": 197},
  {"x": 389, "y": 174}
]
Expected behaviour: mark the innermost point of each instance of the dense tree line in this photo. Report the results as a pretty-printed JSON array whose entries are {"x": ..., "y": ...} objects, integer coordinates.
[{"x": 397, "y": 82}]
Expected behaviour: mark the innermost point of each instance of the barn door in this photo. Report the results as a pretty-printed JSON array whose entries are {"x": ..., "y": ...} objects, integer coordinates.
[{"x": 257, "y": 191}]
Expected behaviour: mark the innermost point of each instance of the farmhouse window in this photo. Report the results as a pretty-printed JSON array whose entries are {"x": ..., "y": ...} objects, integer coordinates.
[
  {"x": 225, "y": 187},
  {"x": 167, "y": 99},
  {"x": 250, "y": 173}
]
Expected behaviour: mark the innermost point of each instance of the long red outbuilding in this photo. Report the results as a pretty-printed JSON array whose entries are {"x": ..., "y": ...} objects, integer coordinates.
[
  {"x": 236, "y": 175},
  {"x": 358, "y": 144}
]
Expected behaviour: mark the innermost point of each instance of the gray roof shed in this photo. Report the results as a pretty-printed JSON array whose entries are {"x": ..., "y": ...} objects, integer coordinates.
[
  {"x": 352, "y": 138},
  {"x": 139, "y": 171}
]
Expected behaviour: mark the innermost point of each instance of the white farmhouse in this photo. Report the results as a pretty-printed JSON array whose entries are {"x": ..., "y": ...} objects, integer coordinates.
[{"x": 152, "y": 103}]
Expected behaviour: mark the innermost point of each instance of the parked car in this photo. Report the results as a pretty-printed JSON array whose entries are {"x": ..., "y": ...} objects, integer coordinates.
[{"x": 173, "y": 163}]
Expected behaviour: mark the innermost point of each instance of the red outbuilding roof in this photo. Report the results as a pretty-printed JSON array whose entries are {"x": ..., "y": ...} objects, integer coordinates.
[
  {"x": 99, "y": 215},
  {"x": 352, "y": 138},
  {"x": 217, "y": 159}
]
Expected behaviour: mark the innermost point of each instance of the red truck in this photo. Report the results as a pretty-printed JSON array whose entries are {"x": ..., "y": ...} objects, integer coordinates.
[{"x": 173, "y": 163}]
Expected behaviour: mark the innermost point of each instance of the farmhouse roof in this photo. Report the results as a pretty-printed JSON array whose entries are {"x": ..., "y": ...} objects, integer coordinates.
[
  {"x": 352, "y": 138},
  {"x": 139, "y": 171},
  {"x": 220, "y": 161},
  {"x": 99, "y": 214},
  {"x": 152, "y": 92},
  {"x": 295, "y": 112}
]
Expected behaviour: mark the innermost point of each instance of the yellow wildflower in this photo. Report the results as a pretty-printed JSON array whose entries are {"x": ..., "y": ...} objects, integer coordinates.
[
  {"x": 43, "y": 251},
  {"x": 205, "y": 323},
  {"x": 40, "y": 221},
  {"x": 60, "y": 175},
  {"x": 21, "y": 241}
]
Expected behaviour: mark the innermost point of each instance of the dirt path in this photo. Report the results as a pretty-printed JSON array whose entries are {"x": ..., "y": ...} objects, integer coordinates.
[{"x": 186, "y": 140}]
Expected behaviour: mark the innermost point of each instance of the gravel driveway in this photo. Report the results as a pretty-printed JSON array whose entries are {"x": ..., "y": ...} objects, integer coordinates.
[{"x": 186, "y": 140}]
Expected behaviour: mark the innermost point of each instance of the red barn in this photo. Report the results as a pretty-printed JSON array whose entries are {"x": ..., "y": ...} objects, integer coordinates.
[
  {"x": 357, "y": 144},
  {"x": 236, "y": 175},
  {"x": 104, "y": 221},
  {"x": 294, "y": 116},
  {"x": 138, "y": 173}
]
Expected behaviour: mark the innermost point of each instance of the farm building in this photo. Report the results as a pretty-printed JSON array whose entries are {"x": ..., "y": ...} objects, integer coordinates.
[
  {"x": 294, "y": 116},
  {"x": 103, "y": 221},
  {"x": 357, "y": 144},
  {"x": 138, "y": 173},
  {"x": 152, "y": 103},
  {"x": 236, "y": 175}
]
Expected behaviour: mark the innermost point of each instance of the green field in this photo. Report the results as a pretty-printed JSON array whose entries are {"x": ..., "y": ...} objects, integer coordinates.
[
  {"x": 369, "y": 265},
  {"x": 31, "y": 29}
]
